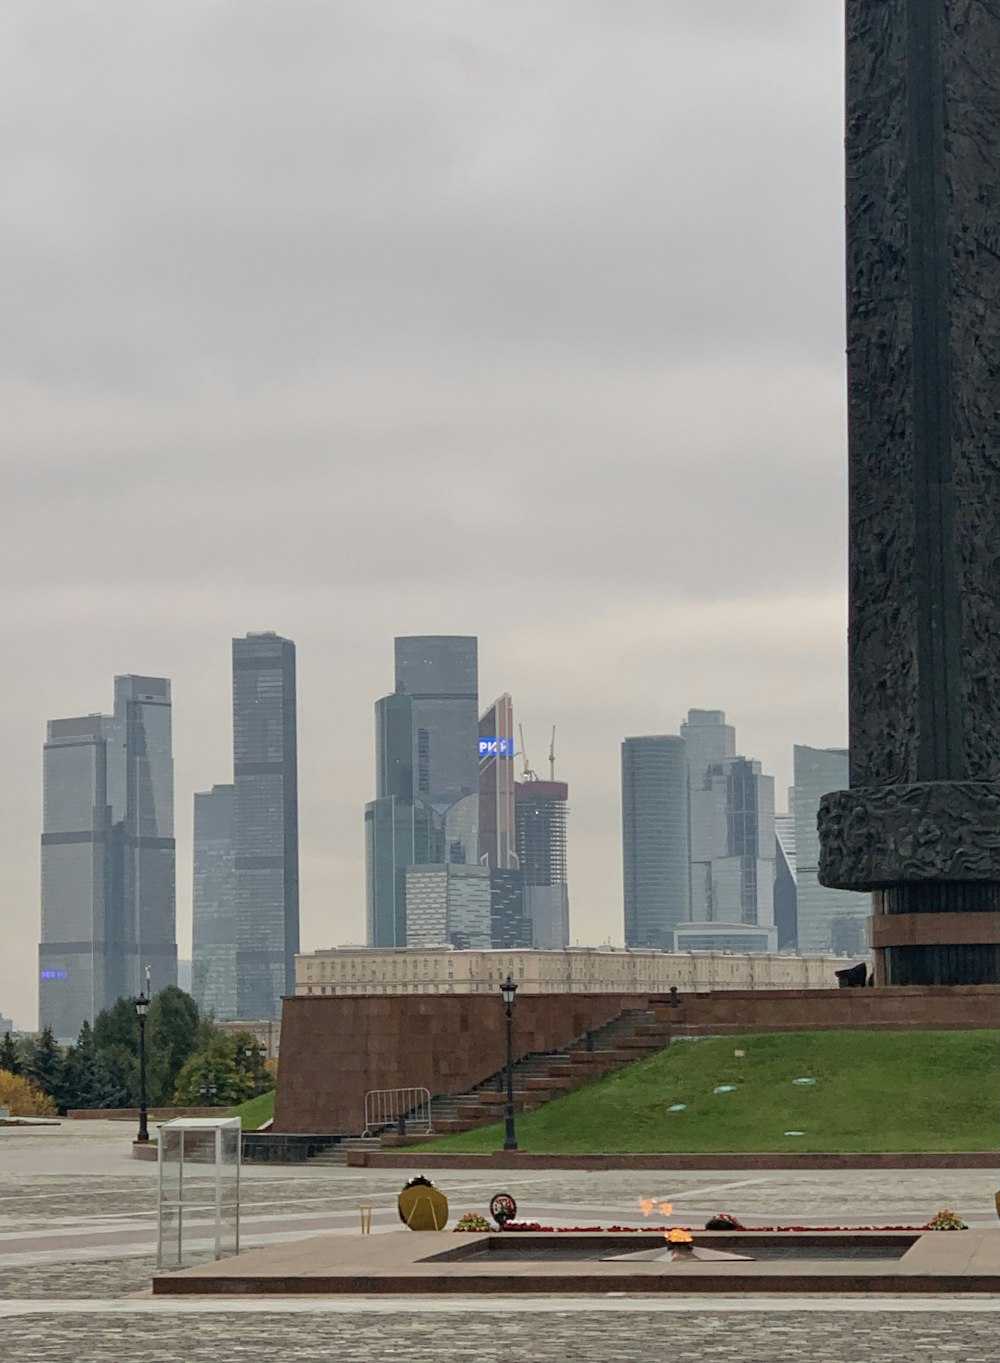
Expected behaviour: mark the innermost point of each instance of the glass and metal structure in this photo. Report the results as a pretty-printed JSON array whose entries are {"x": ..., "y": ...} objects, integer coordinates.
[{"x": 198, "y": 1190}]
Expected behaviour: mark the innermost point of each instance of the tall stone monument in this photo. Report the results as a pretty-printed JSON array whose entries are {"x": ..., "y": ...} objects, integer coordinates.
[{"x": 920, "y": 825}]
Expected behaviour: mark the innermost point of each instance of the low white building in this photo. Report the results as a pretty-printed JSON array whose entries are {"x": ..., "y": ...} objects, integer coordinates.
[{"x": 575, "y": 970}]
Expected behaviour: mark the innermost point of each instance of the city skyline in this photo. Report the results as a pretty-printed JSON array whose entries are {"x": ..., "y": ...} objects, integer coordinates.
[
  {"x": 551, "y": 392},
  {"x": 315, "y": 941}
]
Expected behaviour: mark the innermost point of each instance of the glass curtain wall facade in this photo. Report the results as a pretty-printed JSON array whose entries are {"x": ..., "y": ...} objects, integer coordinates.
[
  {"x": 656, "y": 858},
  {"x": 141, "y": 795},
  {"x": 213, "y": 965},
  {"x": 709, "y": 741},
  {"x": 265, "y": 822},
  {"x": 80, "y": 939},
  {"x": 785, "y": 894},
  {"x": 440, "y": 674},
  {"x": 448, "y": 905},
  {"x": 510, "y": 925},
  {"x": 540, "y": 809},
  {"x": 108, "y": 858},
  {"x": 828, "y": 920}
]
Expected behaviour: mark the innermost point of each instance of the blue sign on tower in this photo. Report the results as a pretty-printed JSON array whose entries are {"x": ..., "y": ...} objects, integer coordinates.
[{"x": 496, "y": 747}]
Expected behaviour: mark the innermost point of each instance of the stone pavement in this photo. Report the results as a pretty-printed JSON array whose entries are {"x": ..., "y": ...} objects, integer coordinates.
[
  {"x": 76, "y": 1184},
  {"x": 634, "y": 1336}
]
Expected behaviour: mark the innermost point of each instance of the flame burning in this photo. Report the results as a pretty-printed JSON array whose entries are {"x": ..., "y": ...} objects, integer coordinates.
[
  {"x": 648, "y": 1205},
  {"x": 677, "y": 1236}
]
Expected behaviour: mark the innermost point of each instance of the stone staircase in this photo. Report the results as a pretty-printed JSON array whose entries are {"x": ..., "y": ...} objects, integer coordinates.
[
  {"x": 633, "y": 1034},
  {"x": 337, "y": 1154}
]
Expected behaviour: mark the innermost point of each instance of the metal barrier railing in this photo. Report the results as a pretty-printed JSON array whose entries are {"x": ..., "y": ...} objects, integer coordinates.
[{"x": 407, "y": 1108}]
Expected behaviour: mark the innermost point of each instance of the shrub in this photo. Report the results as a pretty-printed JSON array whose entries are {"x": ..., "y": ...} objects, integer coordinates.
[{"x": 24, "y": 1097}]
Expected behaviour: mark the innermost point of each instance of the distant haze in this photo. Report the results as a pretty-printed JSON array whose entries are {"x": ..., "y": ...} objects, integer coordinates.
[{"x": 353, "y": 319}]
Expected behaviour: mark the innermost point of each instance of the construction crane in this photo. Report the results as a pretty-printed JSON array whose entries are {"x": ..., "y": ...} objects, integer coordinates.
[
  {"x": 552, "y": 755},
  {"x": 527, "y": 774}
]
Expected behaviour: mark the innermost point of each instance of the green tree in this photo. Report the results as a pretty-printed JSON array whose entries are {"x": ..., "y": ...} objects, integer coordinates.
[
  {"x": 117, "y": 1027},
  {"x": 224, "y": 1063},
  {"x": 45, "y": 1065},
  {"x": 9, "y": 1058},
  {"x": 174, "y": 1030}
]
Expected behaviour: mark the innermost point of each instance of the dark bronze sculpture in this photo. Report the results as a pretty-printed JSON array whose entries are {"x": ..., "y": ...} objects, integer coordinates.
[{"x": 920, "y": 825}]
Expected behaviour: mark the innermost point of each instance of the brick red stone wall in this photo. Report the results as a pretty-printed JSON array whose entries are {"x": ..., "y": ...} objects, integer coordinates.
[
  {"x": 804, "y": 1010},
  {"x": 334, "y": 1049}
]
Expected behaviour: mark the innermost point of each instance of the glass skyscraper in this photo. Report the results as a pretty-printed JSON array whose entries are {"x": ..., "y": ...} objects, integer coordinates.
[
  {"x": 655, "y": 848},
  {"x": 732, "y": 832},
  {"x": 540, "y": 817},
  {"x": 108, "y": 857},
  {"x": 440, "y": 674},
  {"x": 213, "y": 965},
  {"x": 828, "y": 920},
  {"x": 265, "y": 823}
]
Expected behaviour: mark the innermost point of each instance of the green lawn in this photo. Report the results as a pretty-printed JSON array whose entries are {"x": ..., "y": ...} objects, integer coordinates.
[
  {"x": 254, "y": 1111},
  {"x": 872, "y": 1091}
]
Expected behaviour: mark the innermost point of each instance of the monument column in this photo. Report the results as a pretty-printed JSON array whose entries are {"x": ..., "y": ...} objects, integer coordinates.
[{"x": 920, "y": 825}]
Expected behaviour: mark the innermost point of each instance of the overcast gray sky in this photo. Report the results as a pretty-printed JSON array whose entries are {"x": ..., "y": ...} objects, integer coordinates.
[{"x": 349, "y": 318}]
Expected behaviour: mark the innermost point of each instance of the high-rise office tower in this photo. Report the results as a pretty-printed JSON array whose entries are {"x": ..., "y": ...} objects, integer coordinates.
[
  {"x": 400, "y": 831},
  {"x": 82, "y": 927},
  {"x": 265, "y": 823},
  {"x": 141, "y": 790},
  {"x": 540, "y": 819},
  {"x": 655, "y": 840},
  {"x": 448, "y": 904},
  {"x": 510, "y": 925},
  {"x": 440, "y": 674},
  {"x": 213, "y": 964},
  {"x": 709, "y": 741},
  {"x": 785, "y": 894},
  {"x": 108, "y": 894},
  {"x": 732, "y": 831},
  {"x": 497, "y": 835},
  {"x": 828, "y": 920}
]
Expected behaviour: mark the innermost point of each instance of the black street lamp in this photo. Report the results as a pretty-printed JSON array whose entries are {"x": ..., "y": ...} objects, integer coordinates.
[
  {"x": 209, "y": 1090},
  {"x": 507, "y": 991},
  {"x": 141, "y": 1009}
]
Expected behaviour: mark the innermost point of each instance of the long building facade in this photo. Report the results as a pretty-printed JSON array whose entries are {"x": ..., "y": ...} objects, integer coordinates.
[
  {"x": 265, "y": 822},
  {"x": 108, "y": 906},
  {"x": 578, "y": 970}
]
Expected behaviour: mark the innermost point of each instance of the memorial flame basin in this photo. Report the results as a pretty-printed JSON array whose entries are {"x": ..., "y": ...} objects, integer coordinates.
[{"x": 596, "y": 1262}]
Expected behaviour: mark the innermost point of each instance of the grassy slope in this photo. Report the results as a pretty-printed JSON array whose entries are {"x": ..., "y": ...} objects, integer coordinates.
[
  {"x": 254, "y": 1111},
  {"x": 873, "y": 1091}
]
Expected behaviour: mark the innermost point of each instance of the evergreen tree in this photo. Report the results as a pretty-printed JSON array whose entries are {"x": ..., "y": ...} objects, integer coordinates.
[
  {"x": 9, "y": 1058},
  {"x": 46, "y": 1063},
  {"x": 174, "y": 1030},
  {"x": 117, "y": 1027}
]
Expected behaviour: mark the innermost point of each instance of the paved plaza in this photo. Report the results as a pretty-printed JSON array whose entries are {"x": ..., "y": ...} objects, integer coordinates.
[{"x": 77, "y": 1229}]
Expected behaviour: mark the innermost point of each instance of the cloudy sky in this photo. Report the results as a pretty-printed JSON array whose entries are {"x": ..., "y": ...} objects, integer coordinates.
[{"x": 349, "y": 318}]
